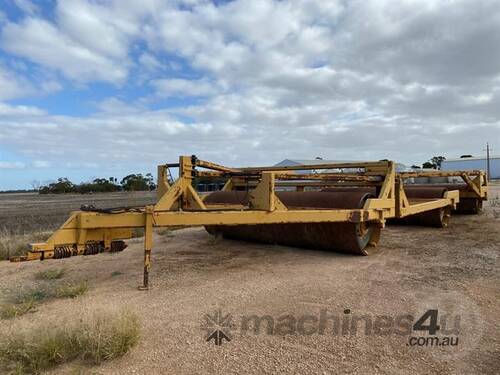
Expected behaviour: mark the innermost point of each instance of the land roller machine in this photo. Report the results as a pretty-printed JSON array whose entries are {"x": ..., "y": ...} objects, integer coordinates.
[{"x": 331, "y": 206}]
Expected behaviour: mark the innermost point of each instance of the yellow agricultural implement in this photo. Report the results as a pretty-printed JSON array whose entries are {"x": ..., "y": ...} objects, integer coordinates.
[{"x": 341, "y": 208}]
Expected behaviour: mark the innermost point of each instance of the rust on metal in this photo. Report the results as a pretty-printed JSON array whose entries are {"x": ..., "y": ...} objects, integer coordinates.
[{"x": 347, "y": 237}]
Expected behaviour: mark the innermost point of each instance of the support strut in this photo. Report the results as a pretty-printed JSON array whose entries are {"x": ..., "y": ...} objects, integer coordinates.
[{"x": 148, "y": 245}]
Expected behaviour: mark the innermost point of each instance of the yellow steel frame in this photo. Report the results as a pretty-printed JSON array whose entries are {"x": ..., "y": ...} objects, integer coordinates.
[{"x": 179, "y": 204}]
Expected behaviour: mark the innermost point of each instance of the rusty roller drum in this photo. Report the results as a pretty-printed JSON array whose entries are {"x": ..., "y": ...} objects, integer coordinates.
[
  {"x": 468, "y": 206},
  {"x": 339, "y": 189},
  {"x": 438, "y": 218},
  {"x": 354, "y": 238}
]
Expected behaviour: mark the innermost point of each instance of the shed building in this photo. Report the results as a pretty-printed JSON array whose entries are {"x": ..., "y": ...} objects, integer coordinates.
[{"x": 473, "y": 163}]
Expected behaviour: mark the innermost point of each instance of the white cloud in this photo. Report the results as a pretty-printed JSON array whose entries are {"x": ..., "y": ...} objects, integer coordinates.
[
  {"x": 19, "y": 110},
  {"x": 254, "y": 131},
  {"x": 12, "y": 165},
  {"x": 40, "y": 164},
  {"x": 12, "y": 86},
  {"x": 102, "y": 29},
  {"x": 185, "y": 87},
  {"x": 23, "y": 165},
  {"x": 347, "y": 80},
  {"x": 40, "y": 41},
  {"x": 50, "y": 86},
  {"x": 27, "y": 6},
  {"x": 16, "y": 85},
  {"x": 149, "y": 62},
  {"x": 115, "y": 105}
]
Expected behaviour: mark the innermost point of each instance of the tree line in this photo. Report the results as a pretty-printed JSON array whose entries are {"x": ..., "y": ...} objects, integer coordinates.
[
  {"x": 132, "y": 182},
  {"x": 436, "y": 161},
  {"x": 433, "y": 163},
  {"x": 138, "y": 182}
]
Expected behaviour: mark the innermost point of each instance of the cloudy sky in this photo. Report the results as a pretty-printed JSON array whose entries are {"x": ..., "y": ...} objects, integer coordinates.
[{"x": 104, "y": 88}]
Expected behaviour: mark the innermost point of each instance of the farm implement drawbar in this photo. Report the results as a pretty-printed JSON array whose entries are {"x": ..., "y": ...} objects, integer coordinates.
[{"x": 343, "y": 207}]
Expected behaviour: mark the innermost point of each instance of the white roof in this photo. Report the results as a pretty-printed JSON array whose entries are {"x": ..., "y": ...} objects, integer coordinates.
[{"x": 472, "y": 158}]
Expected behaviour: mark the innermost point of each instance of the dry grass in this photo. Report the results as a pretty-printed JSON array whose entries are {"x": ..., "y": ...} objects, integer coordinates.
[
  {"x": 37, "y": 294},
  {"x": 51, "y": 274},
  {"x": 92, "y": 338},
  {"x": 72, "y": 290},
  {"x": 22, "y": 301},
  {"x": 43, "y": 292},
  {"x": 10, "y": 311},
  {"x": 12, "y": 244}
]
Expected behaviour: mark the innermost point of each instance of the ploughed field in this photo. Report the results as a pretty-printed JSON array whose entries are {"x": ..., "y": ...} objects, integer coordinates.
[
  {"x": 25, "y": 212},
  {"x": 31, "y": 217}
]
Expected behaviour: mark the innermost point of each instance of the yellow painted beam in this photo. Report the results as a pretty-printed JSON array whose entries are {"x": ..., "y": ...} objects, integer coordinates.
[
  {"x": 451, "y": 198},
  {"x": 173, "y": 218},
  {"x": 172, "y": 195}
]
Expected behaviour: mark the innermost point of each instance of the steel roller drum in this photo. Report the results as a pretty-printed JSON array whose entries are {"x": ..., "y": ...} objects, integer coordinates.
[
  {"x": 471, "y": 206},
  {"x": 438, "y": 218},
  {"x": 354, "y": 238}
]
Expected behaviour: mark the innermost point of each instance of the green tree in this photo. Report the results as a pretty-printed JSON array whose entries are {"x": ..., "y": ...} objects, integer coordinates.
[
  {"x": 138, "y": 182},
  {"x": 98, "y": 185},
  {"x": 63, "y": 185},
  {"x": 434, "y": 163},
  {"x": 437, "y": 160}
]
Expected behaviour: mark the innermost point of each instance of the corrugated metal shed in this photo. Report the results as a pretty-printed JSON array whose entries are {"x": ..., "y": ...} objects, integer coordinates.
[{"x": 473, "y": 163}]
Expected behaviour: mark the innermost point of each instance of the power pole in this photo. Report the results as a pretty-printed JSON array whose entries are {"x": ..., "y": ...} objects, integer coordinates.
[{"x": 487, "y": 161}]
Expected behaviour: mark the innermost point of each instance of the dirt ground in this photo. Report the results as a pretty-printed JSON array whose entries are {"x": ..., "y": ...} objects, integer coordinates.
[{"x": 453, "y": 270}]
